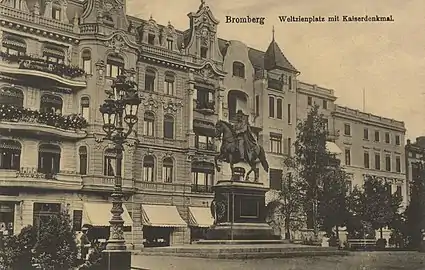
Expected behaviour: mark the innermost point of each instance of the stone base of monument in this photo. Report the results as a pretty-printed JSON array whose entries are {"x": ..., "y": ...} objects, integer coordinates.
[{"x": 239, "y": 210}]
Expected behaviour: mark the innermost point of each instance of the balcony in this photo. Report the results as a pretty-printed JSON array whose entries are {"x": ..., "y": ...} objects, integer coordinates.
[
  {"x": 28, "y": 177},
  {"x": 105, "y": 183},
  {"x": 202, "y": 146},
  {"x": 201, "y": 189},
  {"x": 32, "y": 66},
  {"x": 205, "y": 107},
  {"x": 162, "y": 187},
  {"x": 32, "y": 121}
]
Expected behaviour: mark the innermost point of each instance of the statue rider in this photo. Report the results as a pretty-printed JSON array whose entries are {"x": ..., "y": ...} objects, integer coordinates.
[{"x": 245, "y": 139}]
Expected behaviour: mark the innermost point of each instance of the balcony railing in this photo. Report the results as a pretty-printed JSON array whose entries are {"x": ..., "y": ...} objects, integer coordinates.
[
  {"x": 205, "y": 107},
  {"x": 31, "y": 177},
  {"x": 30, "y": 17},
  {"x": 25, "y": 65},
  {"x": 201, "y": 189},
  {"x": 11, "y": 113},
  {"x": 40, "y": 64},
  {"x": 101, "y": 182},
  {"x": 162, "y": 187},
  {"x": 206, "y": 146}
]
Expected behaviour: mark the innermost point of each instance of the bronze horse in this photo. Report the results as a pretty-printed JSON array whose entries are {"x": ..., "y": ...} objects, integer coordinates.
[{"x": 229, "y": 151}]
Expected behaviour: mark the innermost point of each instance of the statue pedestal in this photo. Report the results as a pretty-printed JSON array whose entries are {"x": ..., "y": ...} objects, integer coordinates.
[{"x": 239, "y": 211}]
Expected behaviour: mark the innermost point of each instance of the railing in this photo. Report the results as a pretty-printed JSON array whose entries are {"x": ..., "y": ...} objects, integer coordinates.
[
  {"x": 11, "y": 113},
  {"x": 26, "y": 16},
  {"x": 28, "y": 172},
  {"x": 205, "y": 146},
  {"x": 105, "y": 181},
  {"x": 201, "y": 189},
  {"x": 40, "y": 64},
  {"x": 90, "y": 28},
  {"x": 161, "y": 186},
  {"x": 161, "y": 52}
]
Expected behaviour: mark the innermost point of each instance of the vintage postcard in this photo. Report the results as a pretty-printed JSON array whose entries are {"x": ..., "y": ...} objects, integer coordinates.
[{"x": 205, "y": 134}]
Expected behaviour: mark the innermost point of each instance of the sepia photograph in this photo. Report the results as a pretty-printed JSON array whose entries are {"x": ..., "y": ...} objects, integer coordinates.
[{"x": 206, "y": 134}]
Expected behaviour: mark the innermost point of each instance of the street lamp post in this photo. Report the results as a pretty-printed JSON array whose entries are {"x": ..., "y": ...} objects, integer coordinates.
[{"x": 120, "y": 107}]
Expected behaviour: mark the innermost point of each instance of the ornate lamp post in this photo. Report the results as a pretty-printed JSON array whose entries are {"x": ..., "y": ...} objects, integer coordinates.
[{"x": 120, "y": 107}]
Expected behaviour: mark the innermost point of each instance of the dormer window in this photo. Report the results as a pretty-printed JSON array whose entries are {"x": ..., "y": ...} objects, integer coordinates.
[
  {"x": 204, "y": 52},
  {"x": 151, "y": 39},
  {"x": 56, "y": 12},
  {"x": 170, "y": 44}
]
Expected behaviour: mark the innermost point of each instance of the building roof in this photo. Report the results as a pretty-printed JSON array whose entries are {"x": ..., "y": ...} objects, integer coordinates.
[{"x": 275, "y": 59}]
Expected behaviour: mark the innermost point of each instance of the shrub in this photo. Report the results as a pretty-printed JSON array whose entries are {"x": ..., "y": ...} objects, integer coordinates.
[
  {"x": 16, "y": 252},
  {"x": 56, "y": 247}
]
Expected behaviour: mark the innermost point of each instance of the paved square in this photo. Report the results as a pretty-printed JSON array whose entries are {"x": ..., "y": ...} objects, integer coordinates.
[{"x": 356, "y": 261}]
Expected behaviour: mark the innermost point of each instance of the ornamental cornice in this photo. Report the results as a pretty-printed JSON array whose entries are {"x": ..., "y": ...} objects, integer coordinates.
[
  {"x": 169, "y": 63},
  {"x": 61, "y": 36}
]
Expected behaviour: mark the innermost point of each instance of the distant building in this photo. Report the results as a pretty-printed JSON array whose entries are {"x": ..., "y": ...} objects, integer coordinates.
[
  {"x": 415, "y": 154},
  {"x": 371, "y": 146}
]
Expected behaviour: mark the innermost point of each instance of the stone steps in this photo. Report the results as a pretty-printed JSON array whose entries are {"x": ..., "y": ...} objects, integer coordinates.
[{"x": 246, "y": 252}]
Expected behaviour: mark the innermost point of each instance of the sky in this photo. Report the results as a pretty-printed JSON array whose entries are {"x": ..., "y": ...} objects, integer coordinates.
[{"x": 386, "y": 60}]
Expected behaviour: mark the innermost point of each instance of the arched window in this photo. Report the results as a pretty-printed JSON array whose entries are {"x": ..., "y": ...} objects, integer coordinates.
[
  {"x": 86, "y": 58},
  {"x": 14, "y": 45},
  {"x": 12, "y": 96},
  {"x": 168, "y": 127},
  {"x": 167, "y": 170},
  {"x": 85, "y": 107},
  {"x": 49, "y": 156},
  {"x": 202, "y": 177},
  {"x": 10, "y": 155},
  {"x": 82, "y": 152},
  {"x": 148, "y": 168},
  {"x": 114, "y": 65},
  {"x": 51, "y": 104},
  {"x": 238, "y": 69},
  {"x": 169, "y": 83},
  {"x": 110, "y": 163},
  {"x": 149, "y": 124},
  {"x": 54, "y": 53},
  {"x": 150, "y": 78}
]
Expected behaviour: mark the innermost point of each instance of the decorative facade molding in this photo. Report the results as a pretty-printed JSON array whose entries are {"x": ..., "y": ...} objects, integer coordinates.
[
  {"x": 150, "y": 103},
  {"x": 171, "y": 107},
  {"x": 117, "y": 43}
]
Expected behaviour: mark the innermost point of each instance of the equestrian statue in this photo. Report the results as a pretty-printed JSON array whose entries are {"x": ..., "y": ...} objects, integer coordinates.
[{"x": 238, "y": 144}]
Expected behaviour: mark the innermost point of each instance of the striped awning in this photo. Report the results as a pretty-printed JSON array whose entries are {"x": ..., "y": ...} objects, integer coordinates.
[
  {"x": 98, "y": 214},
  {"x": 161, "y": 216},
  {"x": 200, "y": 217}
]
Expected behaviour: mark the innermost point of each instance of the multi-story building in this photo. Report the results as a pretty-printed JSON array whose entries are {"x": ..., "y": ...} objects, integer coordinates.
[
  {"x": 414, "y": 157},
  {"x": 58, "y": 58},
  {"x": 371, "y": 146}
]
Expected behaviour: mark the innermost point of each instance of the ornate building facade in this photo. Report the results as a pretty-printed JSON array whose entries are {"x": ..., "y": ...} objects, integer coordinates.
[{"x": 57, "y": 60}]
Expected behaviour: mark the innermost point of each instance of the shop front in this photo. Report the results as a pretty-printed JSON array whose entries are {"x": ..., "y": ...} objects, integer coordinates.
[
  {"x": 96, "y": 216},
  {"x": 200, "y": 220},
  {"x": 162, "y": 226}
]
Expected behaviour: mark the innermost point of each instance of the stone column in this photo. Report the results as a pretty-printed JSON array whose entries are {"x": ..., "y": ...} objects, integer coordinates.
[
  {"x": 190, "y": 94},
  {"x": 191, "y": 97},
  {"x": 220, "y": 96}
]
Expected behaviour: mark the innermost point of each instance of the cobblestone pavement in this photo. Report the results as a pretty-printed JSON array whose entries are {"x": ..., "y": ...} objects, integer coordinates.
[{"x": 356, "y": 261}]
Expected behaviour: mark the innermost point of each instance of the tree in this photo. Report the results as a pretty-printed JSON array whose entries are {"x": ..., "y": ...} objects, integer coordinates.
[
  {"x": 332, "y": 211},
  {"x": 415, "y": 212},
  {"x": 16, "y": 251},
  {"x": 382, "y": 205},
  {"x": 313, "y": 158},
  {"x": 56, "y": 247},
  {"x": 287, "y": 207}
]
